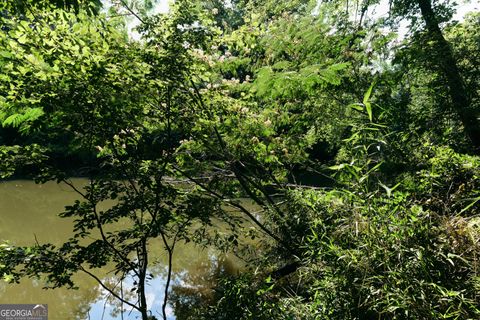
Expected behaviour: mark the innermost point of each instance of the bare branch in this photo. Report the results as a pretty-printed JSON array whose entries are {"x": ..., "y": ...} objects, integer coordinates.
[
  {"x": 100, "y": 282},
  {"x": 126, "y": 6}
]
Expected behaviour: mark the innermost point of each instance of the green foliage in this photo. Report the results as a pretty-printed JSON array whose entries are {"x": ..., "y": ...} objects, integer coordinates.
[
  {"x": 242, "y": 298},
  {"x": 464, "y": 38},
  {"x": 393, "y": 250},
  {"x": 449, "y": 183},
  {"x": 220, "y": 102},
  {"x": 392, "y": 260},
  {"x": 23, "y": 6},
  {"x": 14, "y": 159},
  {"x": 61, "y": 74}
]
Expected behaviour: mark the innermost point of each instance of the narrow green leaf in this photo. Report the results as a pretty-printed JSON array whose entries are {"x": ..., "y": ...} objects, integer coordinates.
[
  {"x": 337, "y": 167},
  {"x": 367, "y": 104},
  {"x": 356, "y": 106},
  {"x": 367, "y": 95},
  {"x": 475, "y": 200},
  {"x": 368, "y": 107}
]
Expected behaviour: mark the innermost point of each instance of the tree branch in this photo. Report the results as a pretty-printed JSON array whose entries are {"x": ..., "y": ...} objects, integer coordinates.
[{"x": 100, "y": 282}]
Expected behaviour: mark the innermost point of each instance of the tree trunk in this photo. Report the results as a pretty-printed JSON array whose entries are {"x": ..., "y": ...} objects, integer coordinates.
[
  {"x": 447, "y": 63},
  {"x": 142, "y": 274}
]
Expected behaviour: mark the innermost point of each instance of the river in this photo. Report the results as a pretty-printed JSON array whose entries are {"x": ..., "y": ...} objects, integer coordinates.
[{"x": 29, "y": 213}]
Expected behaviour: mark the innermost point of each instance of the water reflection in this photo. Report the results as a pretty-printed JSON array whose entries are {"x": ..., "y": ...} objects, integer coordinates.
[
  {"x": 196, "y": 288},
  {"x": 28, "y": 213}
]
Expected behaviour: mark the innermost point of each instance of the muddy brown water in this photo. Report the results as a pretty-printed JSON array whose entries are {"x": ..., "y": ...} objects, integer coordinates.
[{"x": 29, "y": 213}]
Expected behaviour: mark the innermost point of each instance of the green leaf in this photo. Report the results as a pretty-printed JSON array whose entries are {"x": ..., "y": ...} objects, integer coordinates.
[
  {"x": 366, "y": 102},
  {"x": 368, "y": 107},
  {"x": 6, "y": 54},
  {"x": 337, "y": 167},
  {"x": 8, "y": 278},
  {"x": 33, "y": 114},
  {"x": 23, "y": 39},
  {"x": 475, "y": 200},
  {"x": 14, "y": 120},
  {"x": 387, "y": 189},
  {"x": 356, "y": 106}
]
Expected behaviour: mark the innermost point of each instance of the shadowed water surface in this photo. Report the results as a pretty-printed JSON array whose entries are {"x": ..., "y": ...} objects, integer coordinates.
[{"x": 29, "y": 213}]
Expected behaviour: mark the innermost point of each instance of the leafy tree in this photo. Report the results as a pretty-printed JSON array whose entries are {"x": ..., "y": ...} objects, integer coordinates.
[
  {"x": 73, "y": 69},
  {"x": 464, "y": 37},
  {"x": 61, "y": 77},
  {"x": 22, "y": 6},
  {"x": 231, "y": 101},
  {"x": 118, "y": 125},
  {"x": 443, "y": 56}
]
